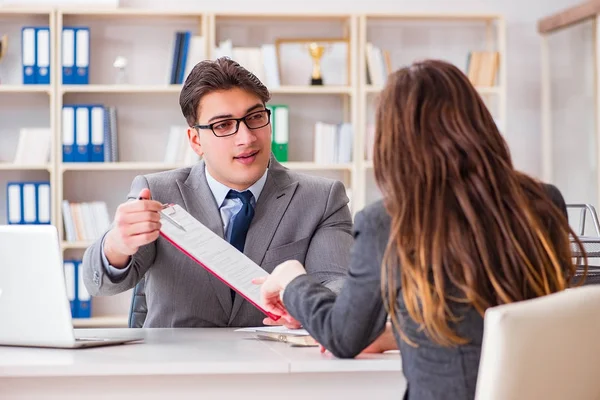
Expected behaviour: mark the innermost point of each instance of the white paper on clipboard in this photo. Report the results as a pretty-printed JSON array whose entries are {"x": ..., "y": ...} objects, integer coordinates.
[{"x": 213, "y": 253}]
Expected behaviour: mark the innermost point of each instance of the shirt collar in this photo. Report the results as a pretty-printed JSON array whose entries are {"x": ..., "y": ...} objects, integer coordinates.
[{"x": 219, "y": 191}]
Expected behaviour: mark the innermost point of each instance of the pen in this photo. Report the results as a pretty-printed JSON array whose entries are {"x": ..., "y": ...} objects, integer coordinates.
[
  {"x": 171, "y": 220},
  {"x": 167, "y": 217}
]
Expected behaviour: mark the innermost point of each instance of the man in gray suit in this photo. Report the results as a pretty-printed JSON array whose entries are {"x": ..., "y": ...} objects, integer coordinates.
[{"x": 240, "y": 192}]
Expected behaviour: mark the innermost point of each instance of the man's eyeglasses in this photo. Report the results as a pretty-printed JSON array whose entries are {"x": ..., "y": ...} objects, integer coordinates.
[{"x": 228, "y": 127}]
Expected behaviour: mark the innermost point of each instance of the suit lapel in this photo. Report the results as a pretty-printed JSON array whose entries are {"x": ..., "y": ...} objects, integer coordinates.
[
  {"x": 270, "y": 208},
  {"x": 200, "y": 203}
]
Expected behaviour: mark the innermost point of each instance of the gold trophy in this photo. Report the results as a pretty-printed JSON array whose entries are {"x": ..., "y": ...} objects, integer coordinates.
[
  {"x": 316, "y": 52},
  {"x": 3, "y": 47}
]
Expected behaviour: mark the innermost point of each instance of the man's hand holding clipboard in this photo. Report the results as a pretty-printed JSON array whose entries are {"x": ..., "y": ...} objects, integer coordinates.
[{"x": 136, "y": 224}]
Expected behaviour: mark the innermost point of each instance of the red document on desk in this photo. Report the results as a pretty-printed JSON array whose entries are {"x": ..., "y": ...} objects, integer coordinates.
[{"x": 213, "y": 253}]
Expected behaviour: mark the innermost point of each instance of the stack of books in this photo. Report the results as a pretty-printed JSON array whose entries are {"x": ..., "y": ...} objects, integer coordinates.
[{"x": 85, "y": 221}]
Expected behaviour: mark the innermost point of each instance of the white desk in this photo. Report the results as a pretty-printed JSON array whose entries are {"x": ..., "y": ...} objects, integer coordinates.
[{"x": 182, "y": 363}]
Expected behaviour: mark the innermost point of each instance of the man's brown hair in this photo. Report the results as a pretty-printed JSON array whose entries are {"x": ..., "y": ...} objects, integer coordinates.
[{"x": 210, "y": 76}]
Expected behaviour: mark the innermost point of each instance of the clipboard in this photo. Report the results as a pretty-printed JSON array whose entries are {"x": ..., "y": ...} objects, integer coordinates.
[{"x": 213, "y": 253}]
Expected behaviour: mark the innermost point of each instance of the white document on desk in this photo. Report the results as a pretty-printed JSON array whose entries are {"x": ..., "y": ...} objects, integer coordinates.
[
  {"x": 213, "y": 253},
  {"x": 282, "y": 330}
]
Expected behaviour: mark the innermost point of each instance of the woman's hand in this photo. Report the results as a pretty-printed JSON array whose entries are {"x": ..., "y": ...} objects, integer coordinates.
[
  {"x": 271, "y": 292},
  {"x": 289, "y": 323},
  {"x": 386, "y": 341}
]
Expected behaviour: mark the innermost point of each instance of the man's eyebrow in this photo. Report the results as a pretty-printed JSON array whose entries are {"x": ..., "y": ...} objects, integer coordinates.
[
  {"x": 220, "y": 117},
  {"x": 254, "y": 107}
]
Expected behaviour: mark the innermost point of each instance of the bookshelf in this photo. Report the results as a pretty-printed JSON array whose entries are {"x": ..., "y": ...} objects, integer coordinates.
[
  {"x": 483, "y": 90},
  {"x": 139, "y": 34},
  {"x": 21, "y": 167},
  {"x": 147, "y": 105},
  {"x": 79, "y": 245},
  {"x": 308, "y": 104},
  {"x": 24, "y": 106},
  {"x": 119, "y": 166},
  {"x": 143, "y": 36},
  {"x": 312, "y": 90},
  {"x": 47, "y": 89},
  {"x": 401, "y": 34},
  {"x": 117, "y": 88}
]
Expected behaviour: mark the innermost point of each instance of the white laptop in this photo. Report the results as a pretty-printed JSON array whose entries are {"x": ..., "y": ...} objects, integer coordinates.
[{"x": 34, "y": 308}]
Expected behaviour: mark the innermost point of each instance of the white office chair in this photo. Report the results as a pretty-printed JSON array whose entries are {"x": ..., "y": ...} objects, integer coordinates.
[{"x": 546, "y": 348}]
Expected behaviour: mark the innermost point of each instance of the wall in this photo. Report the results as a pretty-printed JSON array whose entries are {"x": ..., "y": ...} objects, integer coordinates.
[
  {"x": 523, "y": 44},
  {"x": 573, "y": 135}
]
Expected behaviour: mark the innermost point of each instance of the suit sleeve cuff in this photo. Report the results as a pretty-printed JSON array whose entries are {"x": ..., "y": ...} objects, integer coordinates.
[
  {"x": 335, "y": 285},
  {"x": 292, "y": 287},
  {"x": 114, "y": 273}
]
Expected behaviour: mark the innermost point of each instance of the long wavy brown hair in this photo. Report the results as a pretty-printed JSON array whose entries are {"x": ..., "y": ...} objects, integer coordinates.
[{"x": 466, "y": 227}]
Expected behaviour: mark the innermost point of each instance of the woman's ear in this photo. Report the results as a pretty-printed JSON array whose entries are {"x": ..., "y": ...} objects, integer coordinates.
[{"x": 194, "y": 140}]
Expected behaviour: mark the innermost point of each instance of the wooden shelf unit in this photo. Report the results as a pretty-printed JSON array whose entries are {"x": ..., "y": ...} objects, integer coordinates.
[
  {"x": 26, "y": 16},
  {"x": 353, "y": 97},
  {"x": 495, "y": 40}
]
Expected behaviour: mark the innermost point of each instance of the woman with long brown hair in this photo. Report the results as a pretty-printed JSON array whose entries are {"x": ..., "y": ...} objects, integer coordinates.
[{"x": 459, "y": 230}]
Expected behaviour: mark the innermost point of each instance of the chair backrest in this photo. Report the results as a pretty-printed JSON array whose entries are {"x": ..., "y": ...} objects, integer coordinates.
[
  {"x": 585, "y": 209},
  {"x": 545, "y": 348},
  {"x": 138, "y": 308},
  {"x": 591, "y": 246}
]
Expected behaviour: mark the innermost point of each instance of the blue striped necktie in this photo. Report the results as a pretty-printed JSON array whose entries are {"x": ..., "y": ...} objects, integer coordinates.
[{"x": 241, "y": 222}]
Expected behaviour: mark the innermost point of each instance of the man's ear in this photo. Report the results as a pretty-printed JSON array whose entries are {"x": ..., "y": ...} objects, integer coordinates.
[{"x": 194, "y": 140}]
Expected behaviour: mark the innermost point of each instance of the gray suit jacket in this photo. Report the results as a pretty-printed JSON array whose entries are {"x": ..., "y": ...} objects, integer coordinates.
[
  {"x": 347, "y": 323},
  {"x": 297, "y": 216}
]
